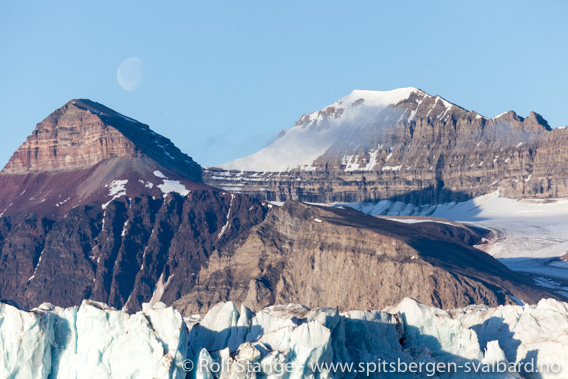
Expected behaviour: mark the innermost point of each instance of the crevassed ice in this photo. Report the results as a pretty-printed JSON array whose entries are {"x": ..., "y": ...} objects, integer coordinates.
[
  {"x": 91, "y": 341},
  {"x": 94, "y": 341}
]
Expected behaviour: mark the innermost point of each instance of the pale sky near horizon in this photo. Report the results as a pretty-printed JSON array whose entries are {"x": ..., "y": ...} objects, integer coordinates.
[{"x": 222, "y": 78}]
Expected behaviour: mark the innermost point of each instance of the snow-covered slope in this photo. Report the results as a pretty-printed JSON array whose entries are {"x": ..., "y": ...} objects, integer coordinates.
[
  {"x": 95, "y": 341},
  {"x": 316, "y": 132},
  {"x": 530, "y": 234}
]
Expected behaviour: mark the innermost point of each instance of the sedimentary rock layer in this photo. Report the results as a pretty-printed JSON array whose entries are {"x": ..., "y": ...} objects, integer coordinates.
[
  {"x": 342, "y": 258},
  {"x": 420, "y": 149},
  {"x": 85, "y": 152}
]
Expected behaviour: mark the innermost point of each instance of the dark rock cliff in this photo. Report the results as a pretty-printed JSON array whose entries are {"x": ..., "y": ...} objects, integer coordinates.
[{"x": 132, "y": 252}]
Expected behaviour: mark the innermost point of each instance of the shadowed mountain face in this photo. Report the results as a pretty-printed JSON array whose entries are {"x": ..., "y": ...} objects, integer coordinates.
[
  {"x": 384, "y": 145},
  {"x": 132, "y": 252},
  {"x": 95, "y": 205}
]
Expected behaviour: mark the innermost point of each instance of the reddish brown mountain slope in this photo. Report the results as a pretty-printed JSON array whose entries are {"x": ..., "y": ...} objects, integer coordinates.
[{"x": 85, "y": 152}]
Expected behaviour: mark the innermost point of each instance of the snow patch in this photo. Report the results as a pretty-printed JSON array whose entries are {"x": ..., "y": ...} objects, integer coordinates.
[
  {"x": 417, "y": 221},
  {"x": 169, "y": 185},
  {"x": 228, "y": 218},
  {"x": 146, "y": 184},
  {"x": 124, "y": 228},
  {"x": 173, "y": 186},
  {"x": 130, "y": 119},
  {"x": 62, "y": 202},
  {"x": 117, "y": 188},
  {"x": 391, "y": 168},
  {"x": 5, "y": 209},
  {"x": 159, "y": 174},
  {"x": 166, "y": 152}
]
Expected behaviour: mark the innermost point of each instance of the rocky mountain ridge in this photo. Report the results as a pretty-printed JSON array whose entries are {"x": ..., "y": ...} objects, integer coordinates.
[
  {"x": 340, "y": 258},
  {"x": 83, "y": 133},
  {"x": 85, "y": 152},
  {"x": 403, "y": 145},
  {"x": 133, "y": 251}
]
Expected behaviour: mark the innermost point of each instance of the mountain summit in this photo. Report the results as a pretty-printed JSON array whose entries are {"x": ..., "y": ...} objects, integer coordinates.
[
  {"x": 314, "y": 134},
  {"x": 95, "y": 205},
  {"x": 83, "y": 133},
  {"x": 85, "y": 152},
  {"x": 361, "y": 123},
  {"x": 402, "y": 145}
]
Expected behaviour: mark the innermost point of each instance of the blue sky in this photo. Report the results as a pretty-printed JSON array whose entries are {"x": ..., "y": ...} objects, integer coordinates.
[{"x": 222, "y": 78}]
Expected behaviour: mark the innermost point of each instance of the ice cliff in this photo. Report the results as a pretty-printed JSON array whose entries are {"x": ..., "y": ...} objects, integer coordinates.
[
  {"x": 91, "y": 341},
  {"x": 95, "y": 341}
]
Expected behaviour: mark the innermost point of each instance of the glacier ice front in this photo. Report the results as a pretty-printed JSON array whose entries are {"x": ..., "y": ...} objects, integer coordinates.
[
  {"x": 92, "y": 341},
  {"x": 290, "y": 341},
  {"x": 408, "y": 340}
]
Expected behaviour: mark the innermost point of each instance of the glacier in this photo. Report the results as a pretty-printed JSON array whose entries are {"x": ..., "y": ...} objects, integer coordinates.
[
  {"x": 409, "y": 340},
  {"x": 91, "y": 341},
  {"x": 530, "y": 235}
]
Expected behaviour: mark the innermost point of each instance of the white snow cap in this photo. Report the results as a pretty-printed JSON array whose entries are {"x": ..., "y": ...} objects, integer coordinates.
[
  {"x": 380, "y": 98},
  {"x": 315, "y": 133}
]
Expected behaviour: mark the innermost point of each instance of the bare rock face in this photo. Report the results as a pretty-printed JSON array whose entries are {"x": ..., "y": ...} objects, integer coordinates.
[
  {"x": 341, "y": 258},
  {"x": 70, "y": 138},
  {"x": 84, "y": 150},
  {"x": 83, "y": 133},
  {"x": 420, "y": 149}
]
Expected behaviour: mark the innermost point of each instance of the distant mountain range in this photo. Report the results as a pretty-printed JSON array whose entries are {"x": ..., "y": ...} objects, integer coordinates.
[
  {"x": 95, "y": 205},
  {"x": 402, "y": 145}
]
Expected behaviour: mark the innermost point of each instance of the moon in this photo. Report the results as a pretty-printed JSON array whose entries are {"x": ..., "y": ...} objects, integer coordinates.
[{"x": 129, "y": 74}]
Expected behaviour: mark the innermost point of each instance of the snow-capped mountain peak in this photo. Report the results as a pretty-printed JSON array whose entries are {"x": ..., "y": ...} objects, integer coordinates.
[
  {"x": 359, "y": 101},
  {"x": 381, "y": 98},
  {"x": 315, "y": 133}
]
